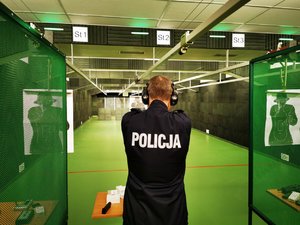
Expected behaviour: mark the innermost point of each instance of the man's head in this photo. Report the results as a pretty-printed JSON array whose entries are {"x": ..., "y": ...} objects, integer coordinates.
[
  {"x": 281, "y": 98},
  {"x": 160, "y": 87},
  {"x": 45, "y": 99}
]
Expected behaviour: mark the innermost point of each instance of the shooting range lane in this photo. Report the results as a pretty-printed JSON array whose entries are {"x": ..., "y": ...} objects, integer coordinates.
[{"x": 216, "y": 179}]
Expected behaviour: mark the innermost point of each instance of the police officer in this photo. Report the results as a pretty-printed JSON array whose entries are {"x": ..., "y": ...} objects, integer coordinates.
[{"x": 156, "y": 142}]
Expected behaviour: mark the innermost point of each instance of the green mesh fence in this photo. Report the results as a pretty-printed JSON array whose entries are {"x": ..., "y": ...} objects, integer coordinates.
[
  {"x": 275, "y": 136},
  {"x": 33, "y": 178}
]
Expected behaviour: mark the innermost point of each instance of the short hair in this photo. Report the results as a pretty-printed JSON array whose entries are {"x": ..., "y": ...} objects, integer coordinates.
[{"x": 160, "y": 87}]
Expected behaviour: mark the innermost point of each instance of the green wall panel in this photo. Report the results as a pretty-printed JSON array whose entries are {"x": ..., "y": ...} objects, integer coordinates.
[
  {"x": 33, "y": 125},
  {"x": 275, "y": 135}
]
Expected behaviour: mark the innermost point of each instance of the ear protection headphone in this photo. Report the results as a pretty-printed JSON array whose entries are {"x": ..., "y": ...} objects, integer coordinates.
[{"x": 173, "y": 99}]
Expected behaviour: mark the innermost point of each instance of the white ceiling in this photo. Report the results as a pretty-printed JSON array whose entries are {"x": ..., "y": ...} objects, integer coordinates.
[
  {"x": 267, "y": 16},
  {"x": 257, "y": 16}
]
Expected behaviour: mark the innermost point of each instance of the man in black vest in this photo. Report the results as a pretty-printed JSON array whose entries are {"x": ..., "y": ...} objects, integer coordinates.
[{"x": 156, "y": 142}]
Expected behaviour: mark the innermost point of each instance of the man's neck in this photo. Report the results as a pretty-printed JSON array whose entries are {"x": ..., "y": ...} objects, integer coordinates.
[{"x": 166, "y": 102}]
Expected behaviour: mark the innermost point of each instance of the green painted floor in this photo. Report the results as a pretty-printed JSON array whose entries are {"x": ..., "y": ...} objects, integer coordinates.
[{"x": 216, "y": 178}]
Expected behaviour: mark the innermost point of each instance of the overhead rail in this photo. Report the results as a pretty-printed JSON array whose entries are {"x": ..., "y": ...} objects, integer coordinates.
[
  {"x": 213, "y": 72},
  {"x": 186, "y": 88},
  {"x": 139, "y": 71},
  {"x": 152, "y": 59},
  {"x": 214, "y": 83},
  {"x": 227, "y": 9},
  {"x": 77, "y": 70}
]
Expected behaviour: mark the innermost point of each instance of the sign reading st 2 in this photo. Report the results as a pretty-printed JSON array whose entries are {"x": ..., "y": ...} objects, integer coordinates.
[
  {"x": 163, "y": 37},
  {"x": 80, "y": 34}
]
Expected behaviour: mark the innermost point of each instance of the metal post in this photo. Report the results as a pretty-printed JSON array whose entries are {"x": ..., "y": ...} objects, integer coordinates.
[
  {"x": 227, "y": 57},
  {"x": 72, "y": 54}
]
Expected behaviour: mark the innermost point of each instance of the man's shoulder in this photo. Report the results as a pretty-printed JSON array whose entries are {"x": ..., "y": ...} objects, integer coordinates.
[
  {"x": 180, "y": 115},
  {"x": 133, "y": 112},
  {"x": 178, "y": 111}
]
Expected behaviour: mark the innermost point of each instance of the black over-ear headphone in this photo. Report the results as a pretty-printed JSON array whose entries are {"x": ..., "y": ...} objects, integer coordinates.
[{"x": 173, "y": 100}]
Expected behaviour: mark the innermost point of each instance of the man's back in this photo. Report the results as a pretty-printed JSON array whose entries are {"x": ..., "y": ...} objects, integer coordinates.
[{"x": 156, "y": 142}]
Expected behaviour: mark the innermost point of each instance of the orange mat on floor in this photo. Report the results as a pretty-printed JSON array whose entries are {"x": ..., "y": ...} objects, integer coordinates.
[{"x": 116, "y": 209}]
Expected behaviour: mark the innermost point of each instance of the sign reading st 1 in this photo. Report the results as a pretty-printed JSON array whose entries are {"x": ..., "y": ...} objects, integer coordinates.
[
  {"x": 80, "y": 34},
  {"x": 238, "y": 40},
  {"x": 163, "y": 37}
]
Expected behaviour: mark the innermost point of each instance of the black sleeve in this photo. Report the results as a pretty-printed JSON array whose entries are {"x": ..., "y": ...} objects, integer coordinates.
[
  {"x": 125, "y": 121},
  {"x": 184, "y": 119},
  {"x": 188, "y": 125}
]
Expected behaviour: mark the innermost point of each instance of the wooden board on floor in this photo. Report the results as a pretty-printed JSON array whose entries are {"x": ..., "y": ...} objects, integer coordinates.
[
  {"x": 279, "y": 194},
  {"x": 9, "y": 216},
  {"x": 116, "y": 209}
]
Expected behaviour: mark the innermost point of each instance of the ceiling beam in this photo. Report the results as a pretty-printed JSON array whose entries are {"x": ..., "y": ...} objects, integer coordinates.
[
  {"x": 227, "y": 9},
  {"x": 141, "y": 70},
  {"x": 73, "y": 67},
  {"x": 214, "y": 83},
  {"x": 186, "y": 88},
  {"x": 213, "y": 72},
  {"x": 156, "y": 59},
  {"x": 234, "y": 75}
]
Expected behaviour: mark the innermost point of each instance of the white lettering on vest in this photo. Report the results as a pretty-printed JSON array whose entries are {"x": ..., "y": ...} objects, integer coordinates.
[
  {"x": 155, "y": 141},
  {"x": 176, "y": 143},
  {"x": 143, "y": 140},
  {"x": 135, "y": 137},
  {"x": 160, "y": 143}
]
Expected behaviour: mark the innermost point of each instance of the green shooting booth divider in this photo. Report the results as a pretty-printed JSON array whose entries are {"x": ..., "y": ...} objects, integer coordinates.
[
  {"x": 274, "y": 154},
  {"x": 33, "y": 140}
]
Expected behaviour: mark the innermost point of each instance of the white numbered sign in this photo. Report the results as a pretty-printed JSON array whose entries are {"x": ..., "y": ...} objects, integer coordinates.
[
  {"x": 238, "y": 40},
  {"x": 80, "y": 34},
  {"x": 163, "y": 37}
]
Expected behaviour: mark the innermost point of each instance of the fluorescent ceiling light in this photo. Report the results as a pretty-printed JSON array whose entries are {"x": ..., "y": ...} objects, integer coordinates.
[
  {"x": 286, "y": 39},
  {"x": 54, "y": 28},
  {"x": 217, "y": 36},
  {"x": 139, "y": 33}
]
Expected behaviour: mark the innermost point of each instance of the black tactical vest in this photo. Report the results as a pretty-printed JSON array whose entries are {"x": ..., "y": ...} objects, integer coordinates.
[{"x": 156, "y": 143}]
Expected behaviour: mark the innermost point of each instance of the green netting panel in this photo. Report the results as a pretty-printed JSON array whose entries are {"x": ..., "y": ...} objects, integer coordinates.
[
  {"x": 275, "y": 136},
  {"x": 33, "y": 177}
]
